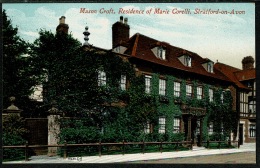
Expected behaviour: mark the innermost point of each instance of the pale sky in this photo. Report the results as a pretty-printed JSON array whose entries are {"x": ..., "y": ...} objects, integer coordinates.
[{"x": 225, "y": 37}]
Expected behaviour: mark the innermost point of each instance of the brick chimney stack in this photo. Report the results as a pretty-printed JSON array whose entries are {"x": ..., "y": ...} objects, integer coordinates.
[
  {"x": 62, "y": 27},
  {"x": 248, "y": 62},
  {"x": 120, "y": 31}
]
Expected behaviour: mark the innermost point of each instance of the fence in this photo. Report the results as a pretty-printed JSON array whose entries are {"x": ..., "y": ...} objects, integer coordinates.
[
  {"x": 99, "y": 146},
  {"x": 122, "y": 144},
  {"x": 228, "y": 143}
]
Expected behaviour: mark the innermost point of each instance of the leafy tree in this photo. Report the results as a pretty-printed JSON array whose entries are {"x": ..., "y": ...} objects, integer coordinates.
[
  {"x": 18, "y": 76},
  {"x": 71, "y": 81}
]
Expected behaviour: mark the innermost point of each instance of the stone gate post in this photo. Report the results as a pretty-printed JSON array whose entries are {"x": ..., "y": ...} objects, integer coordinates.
[{"x": 53, "y": 129}]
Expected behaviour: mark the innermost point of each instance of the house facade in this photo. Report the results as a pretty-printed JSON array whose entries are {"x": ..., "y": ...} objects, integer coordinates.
[
  {"x": 186, "y": 85},
  {"x": 194, "y": 95}
]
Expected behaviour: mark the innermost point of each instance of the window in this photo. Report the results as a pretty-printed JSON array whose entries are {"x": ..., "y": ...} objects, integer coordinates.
[
  {"x": 162, "y": 87},
  {"x": 176, "y": 125},
  {"x": 252, "y": 106},
  {"x": 252, "y": 130},
  {"x": 210, "y": 67},
  {"x": 101, "y": 78},
  {"x": 249, "y": 84},
  {"x": 189, "y": 91},
  {"x": 211, "y": 95},
  {"x": 177, "y": 89},
  {"x": 161, "y": 53},
  {"x": 210, "y": 128},
  {"x": 222, "y": 98},
  {"x": 117, "y": 49},
  {"x": 148, "y": 84},
  {"x": 123, "y": 82},
  {"x": 187, "y": 61},
  {"x": 147, "y": 128},
  {"x": 199, "y": 93},
  {"x": 162, "y": 125}
]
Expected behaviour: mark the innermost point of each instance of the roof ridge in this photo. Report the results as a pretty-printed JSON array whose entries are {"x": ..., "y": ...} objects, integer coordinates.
[
  {"x": 237, "y": 69},
  {"x": 188, "y": 51}
]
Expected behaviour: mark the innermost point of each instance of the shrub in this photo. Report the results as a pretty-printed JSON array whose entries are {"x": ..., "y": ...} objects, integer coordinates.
[{"x": 14, "y": 133}]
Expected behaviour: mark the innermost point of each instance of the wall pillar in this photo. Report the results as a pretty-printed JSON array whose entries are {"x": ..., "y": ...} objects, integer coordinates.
[
  {"x": 12, "y": 109},
  {"x": 53, "y": 130}
]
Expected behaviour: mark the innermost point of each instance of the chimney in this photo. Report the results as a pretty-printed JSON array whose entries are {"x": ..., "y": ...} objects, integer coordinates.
[
  {"x": 248, "y": 62},
  {"x": 62, "y": 27},
  {"x": 120, "y": 32},
  {"x": 125, "y": 21},
  {"x": 121, "y": 19}
]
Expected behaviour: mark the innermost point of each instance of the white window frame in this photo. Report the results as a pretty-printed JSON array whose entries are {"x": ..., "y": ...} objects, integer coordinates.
[
  {"x": 102, "y": 78},
  {"x": 210, "y": 129},
  {"x": 199, "y": 92},
  {"x": 147, "y": 128},
  {"x": 187, "y": 60},
  {"x": 211, "y": 95},
  {"x": 176, "y": 125},
  {"x": 162, "y": 87},
  {"x": 162, "y": 125},
  {"x": 123, "y": 82},
  {"x": 252, "y": 130},
  {"x": 189, "y": 90},
  {"x": 177, "y": 89},
  {"x": 148, "y": 84},
  {"x": 252, "y": 106},
  {"x": 222, "y": 97},
  {"x": 161, "y": 53},
  {"x": 210, "y": 67}
]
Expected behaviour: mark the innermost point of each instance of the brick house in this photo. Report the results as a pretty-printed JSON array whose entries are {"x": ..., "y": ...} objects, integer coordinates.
[
  {"x": 183, "y": 82},
  {"x": 173, "y": 74}
]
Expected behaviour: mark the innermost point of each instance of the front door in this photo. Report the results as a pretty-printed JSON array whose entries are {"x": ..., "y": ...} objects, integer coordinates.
[{"x": 194, "y": 128}]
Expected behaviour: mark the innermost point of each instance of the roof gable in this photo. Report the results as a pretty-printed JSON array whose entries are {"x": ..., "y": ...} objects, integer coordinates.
[{"x": 231, "y": 72}]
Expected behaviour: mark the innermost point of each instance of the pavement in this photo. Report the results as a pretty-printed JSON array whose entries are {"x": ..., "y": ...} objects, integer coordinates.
[{"x": 128, "y": 158}]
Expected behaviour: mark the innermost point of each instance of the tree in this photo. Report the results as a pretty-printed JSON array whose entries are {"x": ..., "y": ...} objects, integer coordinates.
[
  {"x": 72, "y": 75},
  {"x": 18, "y": 76}
]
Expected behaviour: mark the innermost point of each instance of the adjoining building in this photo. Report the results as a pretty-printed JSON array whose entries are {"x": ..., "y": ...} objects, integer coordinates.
[{"x": 244, "y": 93}]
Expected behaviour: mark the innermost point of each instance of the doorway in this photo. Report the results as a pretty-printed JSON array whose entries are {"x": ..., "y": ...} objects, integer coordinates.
[{"x": 194, "y": 128}]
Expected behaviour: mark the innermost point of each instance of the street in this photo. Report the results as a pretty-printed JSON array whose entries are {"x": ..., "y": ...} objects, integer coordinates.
[{"x": 232, "y": 158}]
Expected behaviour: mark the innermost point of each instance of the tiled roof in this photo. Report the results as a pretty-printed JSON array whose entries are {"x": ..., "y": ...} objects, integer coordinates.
[
  {"x": 139, "y": 46},
  {"x": 232, "y": 73},
  {"x": 246, "y": 74}
]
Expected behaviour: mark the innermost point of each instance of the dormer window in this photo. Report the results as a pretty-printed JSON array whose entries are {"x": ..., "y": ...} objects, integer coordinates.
[
  {"x": 161, "y": 53},
  {"x": 117, "y": 49},
  {"x": 120, "y": 49},
  {"x": 187, "y": 60},
  {"x": 210, "y": 67}
]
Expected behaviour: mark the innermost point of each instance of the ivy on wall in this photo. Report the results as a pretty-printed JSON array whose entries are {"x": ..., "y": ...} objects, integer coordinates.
[{"x": 217, "y": 112}]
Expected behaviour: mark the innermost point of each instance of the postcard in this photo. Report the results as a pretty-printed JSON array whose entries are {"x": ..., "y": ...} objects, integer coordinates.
[{"x": 129, "y": 82}]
